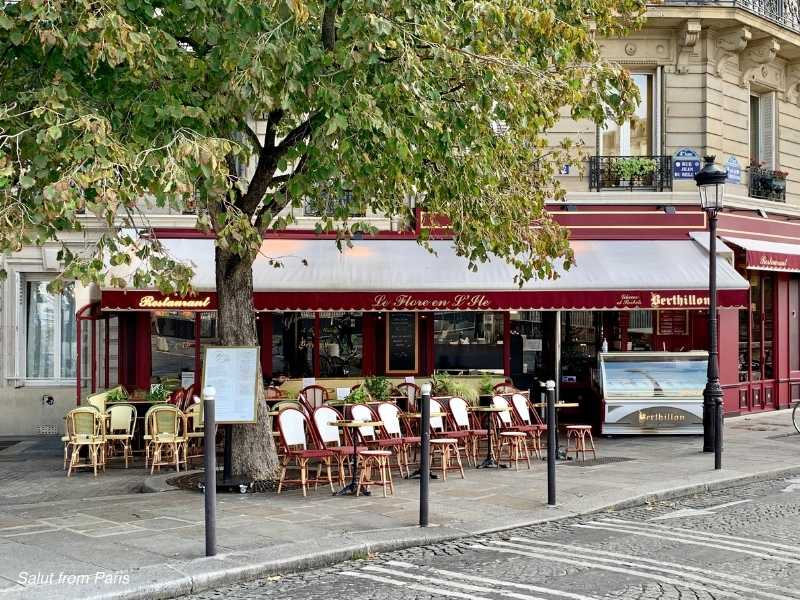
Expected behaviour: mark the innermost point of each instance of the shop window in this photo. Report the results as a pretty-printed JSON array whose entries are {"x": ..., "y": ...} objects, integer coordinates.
[
  {"x": 466, "y": 341},
  {"x": 50, "y": 339},
  {"x": 172, "y": 346},
  {"x": 633, "y": 137},
  {"x": 794, "y": 323},
  {"x": 341, "y": 344},
  {"x": 640, "y": 330},
  {"x": 757, "y": 330},
  {"x": 527, "y": 342},
  {"x": 581, "y": 331},
  {"x": 293, "y": 344}
]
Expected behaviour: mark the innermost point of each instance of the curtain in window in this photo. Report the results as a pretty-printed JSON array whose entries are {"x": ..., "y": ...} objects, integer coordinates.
[
  {"x": 41, "y": 331},
  {"x": 69, "y": 342}
]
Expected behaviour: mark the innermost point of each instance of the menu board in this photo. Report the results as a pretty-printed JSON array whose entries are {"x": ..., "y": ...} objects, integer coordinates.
[
  {"x": 233, "y": 373},
  {"x": 401, "y": 343},
  {"x": 673, "y": 322}
]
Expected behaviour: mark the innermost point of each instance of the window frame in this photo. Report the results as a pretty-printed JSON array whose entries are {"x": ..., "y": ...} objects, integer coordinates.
[
  {"x": 58, "y": 380},
  {"x": 654, "y": 114}
]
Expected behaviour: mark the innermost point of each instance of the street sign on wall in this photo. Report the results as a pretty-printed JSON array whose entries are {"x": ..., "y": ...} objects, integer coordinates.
[
  {"x": 734, "y": 170},
  {"x": 685, "y": 163}
]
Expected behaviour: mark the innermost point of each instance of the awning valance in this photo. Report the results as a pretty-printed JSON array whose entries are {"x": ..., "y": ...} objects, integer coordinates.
[
  {"x": 768, "y": 256},
  {"x": 400, "y": 275}
]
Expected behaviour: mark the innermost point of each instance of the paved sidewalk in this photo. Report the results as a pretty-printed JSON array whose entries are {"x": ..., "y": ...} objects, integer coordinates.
[{"x": 87, "y": 538}]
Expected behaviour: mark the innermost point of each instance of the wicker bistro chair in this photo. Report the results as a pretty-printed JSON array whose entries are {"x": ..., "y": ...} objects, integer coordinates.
[
  {"x": 314, "y": 395},
  {"x": 504, "y": 387},
  {"x": 165, "y": 431},
  {"x": 463, "y": 422},
  {"x": 85, "y": 429},
  {"x": 121, "y": 428},
  {"x": 330, "y": 437},
  {"x": 195, "y": 432},
  {"x": 444, "y": 442},
  {"x": 533, "y": 427},
  {"x": 411, "y": 391},
  {"x": 300, "y": 449},
  {"x": 393, "y": 436},
  {"x": 510, "y": 437}
]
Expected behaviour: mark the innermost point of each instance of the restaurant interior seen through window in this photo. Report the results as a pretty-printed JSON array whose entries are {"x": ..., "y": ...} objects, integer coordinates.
[
  {"x": 341, "y": 348},
  {"x": 293, "y": 344},
  {"x": 172, "y": 347},
  {"x": 465, "y": 341}
]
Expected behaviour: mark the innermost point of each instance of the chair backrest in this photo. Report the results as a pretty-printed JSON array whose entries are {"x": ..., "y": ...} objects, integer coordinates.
[
  {"x": 390, "y": 415},
  {"x": 458, "y": 408},
  {"x": 98, "y": 401},
  {"x": 273, "y": 393},
  {"x": 123, "y": 418},
  {"x": 292, "y": 426},
  {"x": 165, "y": 419},
  {"x": 520, "y": 403},
  {"x": 176, "y": 397},
  {"x": 84, "y": 421},
  {"x": 505, "y": 416},
  {"x": 410, "y": 391},
  {"x": 315, "y": 395},
  {"x": 328, "y": 434},
  {"x": 304, "y": 405},
  {"x": 504, "y": 388},
  {"x": 437, "y": 422},
  {"x": 361, "y": 412}
]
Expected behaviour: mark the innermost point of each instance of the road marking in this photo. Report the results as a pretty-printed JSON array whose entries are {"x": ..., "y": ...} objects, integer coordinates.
[
  {"x": 493, "y": 582},
  {"x": 665, "y": 567},
  {"x": 509, "y": 548},
  {"x": 776, "y": 549},
  {"x": 693, "y": 541},
  {"x": 413, "y": 586},
  {"x": 794, "y": 485},
  {"x": 696, "y": 512}
]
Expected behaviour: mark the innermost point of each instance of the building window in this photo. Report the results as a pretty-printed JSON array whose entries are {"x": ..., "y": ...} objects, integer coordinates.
[
  {"x": 762, "y": 130},
  {"x": 465, "y": 341},
  {"x": 293, "y": 344},
  {"x": 173, "y": 346},
  {"x": 332, "y": 205},
  {"x": 633, "y": 137},
  {"x": 341, "y": 344},
  {"x": 51, "y": 344}
]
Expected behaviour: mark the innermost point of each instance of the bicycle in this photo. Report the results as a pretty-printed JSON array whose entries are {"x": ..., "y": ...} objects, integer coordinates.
[{"x": 796, "y": 416}]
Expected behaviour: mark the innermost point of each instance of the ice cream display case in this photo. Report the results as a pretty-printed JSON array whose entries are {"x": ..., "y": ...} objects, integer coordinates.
[{"x": 652, "y": 392}]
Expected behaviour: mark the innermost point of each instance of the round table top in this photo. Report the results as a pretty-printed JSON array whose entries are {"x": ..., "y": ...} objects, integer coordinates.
[
  {"x": 489, "y": 408},
  {"x": 419, "y": 415},
  {"x": 558, "y": 405},
  {"x": 351, "y": 423}
]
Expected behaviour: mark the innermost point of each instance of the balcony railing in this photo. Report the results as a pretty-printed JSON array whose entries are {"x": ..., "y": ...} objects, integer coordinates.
[
  {"x": 767, "y": 184},
  {"x": 782, "y": 12},
  {"x": 641, "y": 173}
]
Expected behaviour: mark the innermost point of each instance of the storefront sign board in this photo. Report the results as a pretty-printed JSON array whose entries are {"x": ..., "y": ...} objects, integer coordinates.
[
  {"x": 773, "y": 261},
  {"x": 233, "y": 373},
  {"x": 685, "y": 164}
]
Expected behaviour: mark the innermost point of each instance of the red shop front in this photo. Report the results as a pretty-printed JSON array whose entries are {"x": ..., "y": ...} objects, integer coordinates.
[{"x": 391, "y": 307}]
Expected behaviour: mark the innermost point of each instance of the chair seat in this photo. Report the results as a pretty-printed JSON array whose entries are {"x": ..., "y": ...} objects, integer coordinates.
[
  {"x": 458, "y": 433},
  {"x": 390, "y": 442},
  {"x": 579, "y": 427},
  {"x": 376, "y": 453},
  {"x": 477, "y": 431},
  {"x": 311, "y": 453},
  {"x": 348, "y": 450},
  {"x": 412, "y": 439},
  {"x": 444, "y": 441},
  {"x": 85, "y": 439},
  {"x": 512, "y": 434},
  {"x": 196, "y": 434},
  {"x": 528, "y": 427},
  {"x": 118, "y": 436}
]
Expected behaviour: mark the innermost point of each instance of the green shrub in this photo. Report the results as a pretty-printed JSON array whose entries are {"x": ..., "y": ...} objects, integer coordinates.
[
  {"x": 378, "y": 387},
  {"x": 360, "y": 395}
]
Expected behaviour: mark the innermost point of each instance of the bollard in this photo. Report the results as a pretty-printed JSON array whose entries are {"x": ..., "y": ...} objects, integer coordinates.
[
  {"x": 552, "y": 437},
  {"x": 719, "y": 424},
  {"x": 210, "y": 465},
  {"x": 425, "y": 454}
]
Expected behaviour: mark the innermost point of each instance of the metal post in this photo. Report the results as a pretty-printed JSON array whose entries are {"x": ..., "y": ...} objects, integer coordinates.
[
  {"x": 551, "y": 443},
  {"x": 712, "y": 394},
  {"x": 424, "y": 454},
  {"x": 210, "y": 465},
  {"x": 557, "y": 374},
  {"x": 227, "y": 455},
  {"x": 718, "y": 417}
]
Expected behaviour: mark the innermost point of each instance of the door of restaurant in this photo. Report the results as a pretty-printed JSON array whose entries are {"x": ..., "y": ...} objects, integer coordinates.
[{"x": 532, "y": 348}]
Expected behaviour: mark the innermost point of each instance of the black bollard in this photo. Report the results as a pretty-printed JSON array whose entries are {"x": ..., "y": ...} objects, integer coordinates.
[
  {"x": 210, "y": 465},
  {"x": 424, "y": 454},
  {"x": 718, "y": 419},
  {"x": 552, "y": 437}
]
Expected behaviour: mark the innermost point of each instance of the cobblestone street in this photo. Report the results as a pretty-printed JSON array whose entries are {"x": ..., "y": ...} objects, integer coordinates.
[{"x": 737, "y": 543}]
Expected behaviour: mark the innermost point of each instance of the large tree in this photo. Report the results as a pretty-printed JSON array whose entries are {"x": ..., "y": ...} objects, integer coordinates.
[{"x": 108, "y": 107}]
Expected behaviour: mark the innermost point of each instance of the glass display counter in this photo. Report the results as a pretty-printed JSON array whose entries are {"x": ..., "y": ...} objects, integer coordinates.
[{"x": 652, "y": 392}]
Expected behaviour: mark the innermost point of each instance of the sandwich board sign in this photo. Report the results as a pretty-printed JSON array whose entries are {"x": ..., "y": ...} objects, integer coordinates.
[{"x": 233, "y": 372}]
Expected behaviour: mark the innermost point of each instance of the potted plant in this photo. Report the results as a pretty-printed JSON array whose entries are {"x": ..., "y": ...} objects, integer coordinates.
[
  {"x": 157, "y": 394},
  {"x": 777, "y": 184},
  {"x": 360, "y": 395},
  {"x": 634, "y": 169},
  {"x": 378, "y": 387},
  {"x": 486, "y": 388},
  {"x": 118, "y": 394}
]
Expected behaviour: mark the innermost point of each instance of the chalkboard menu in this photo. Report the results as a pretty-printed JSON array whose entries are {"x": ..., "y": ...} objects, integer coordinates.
[
  {"x": 673, "y": 322},
  {"x": 401, "y": 343}
]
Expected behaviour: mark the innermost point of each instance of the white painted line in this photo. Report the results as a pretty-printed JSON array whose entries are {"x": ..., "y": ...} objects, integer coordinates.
[
  {"x": 413, "y": 586},
  {"x": 719, "y": 579},
  {"x": 674, "y": 538},
  {"x": 495, "y": 582},
  {"x": 696, "y": 512},
  {"x": 794, "y": 550},
  {"x": 595, "y": 564}
]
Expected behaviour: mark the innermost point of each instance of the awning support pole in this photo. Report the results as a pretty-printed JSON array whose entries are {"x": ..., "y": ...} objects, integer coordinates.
[{"x": 557, "y": 374}]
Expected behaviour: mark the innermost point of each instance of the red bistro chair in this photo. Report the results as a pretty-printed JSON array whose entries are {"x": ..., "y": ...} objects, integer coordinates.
[
  {"x": 330, "y": 437},
  {"x": 463, "y": 422},
  {"x": 314, "y": 395},
  {"x": 301, "y": 447},
  {"x": 511, "y": 437},
  {"x": 394, "y": 437},
  {"x": 412, "y": 392},
  {"x": 533, "y": 427},
  {"x": 444, "y": 441}
]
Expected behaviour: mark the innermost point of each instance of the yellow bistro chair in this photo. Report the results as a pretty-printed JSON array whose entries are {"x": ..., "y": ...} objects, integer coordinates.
[
  {"x": 98, "y": 401},
  {"x": 166, "y": 431},
  {"x": 195, "y": 432},
  {"x": 85, "y": 428},
  {"x": 121, "y": 426}
]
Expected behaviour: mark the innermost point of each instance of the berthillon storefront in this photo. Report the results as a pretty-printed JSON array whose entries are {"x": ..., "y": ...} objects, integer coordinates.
[{"x": 390, "y": 307}]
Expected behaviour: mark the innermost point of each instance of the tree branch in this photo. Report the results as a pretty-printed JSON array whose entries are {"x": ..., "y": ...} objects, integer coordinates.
[{"x": 329, "y": 25}]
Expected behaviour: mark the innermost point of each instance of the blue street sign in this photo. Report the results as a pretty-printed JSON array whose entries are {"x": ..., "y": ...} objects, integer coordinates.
[
  {"x": 685, "y": 163},
  {"x": 734, "y": 170}
]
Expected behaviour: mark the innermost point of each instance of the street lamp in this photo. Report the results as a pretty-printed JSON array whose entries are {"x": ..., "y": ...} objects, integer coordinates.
[{"x": 711, "y": 185}]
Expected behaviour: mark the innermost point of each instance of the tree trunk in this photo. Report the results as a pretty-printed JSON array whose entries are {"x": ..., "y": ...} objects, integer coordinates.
[{"x": 253, "y": 453}]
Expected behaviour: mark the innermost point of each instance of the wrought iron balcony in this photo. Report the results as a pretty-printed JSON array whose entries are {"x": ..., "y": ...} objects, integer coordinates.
[
  {"x": 783, "y": 12},
  {"x": 767, "y": 184},
  {"x": 641, "y": 173}
]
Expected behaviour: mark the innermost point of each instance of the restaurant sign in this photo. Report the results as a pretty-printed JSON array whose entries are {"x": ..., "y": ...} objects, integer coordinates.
[
  {"x": 414, "y": 302},
  {"x": 174, "y": 302},
  {"x": 151, "y": 300},
  {"x": 772, "y": 261},
  {"x": 656, "y": 417}
]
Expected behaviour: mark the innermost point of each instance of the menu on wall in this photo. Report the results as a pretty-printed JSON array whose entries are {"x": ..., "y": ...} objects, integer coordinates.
[
  {"x": 401, "y": 343},
  {"x": 673, "y": 322},
  {"x": 233, "y": 373}
]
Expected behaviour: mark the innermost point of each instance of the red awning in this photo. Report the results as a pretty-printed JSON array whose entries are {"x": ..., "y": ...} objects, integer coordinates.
[
  {"x": 768, "y": 256},
  {"x": 399, "y": 275}
]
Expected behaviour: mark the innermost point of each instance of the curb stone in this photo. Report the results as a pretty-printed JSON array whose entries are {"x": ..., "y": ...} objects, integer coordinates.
[{"x": 205, "y": 573}]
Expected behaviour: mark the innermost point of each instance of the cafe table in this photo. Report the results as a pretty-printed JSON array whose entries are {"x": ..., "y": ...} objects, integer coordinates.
[
  {"x": 489, "y": 462},
  {"x": 354, "y": 426},
  {"x": 559, "y": 406}
]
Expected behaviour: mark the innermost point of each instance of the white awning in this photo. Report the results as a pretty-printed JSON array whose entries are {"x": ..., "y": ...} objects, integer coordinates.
[
  {"x": 768, "y": 256},
  {"x": 629, "y": 273}
]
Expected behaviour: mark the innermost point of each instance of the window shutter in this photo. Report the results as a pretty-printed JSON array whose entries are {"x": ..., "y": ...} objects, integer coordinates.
[{"x": 766, "y": 145}]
